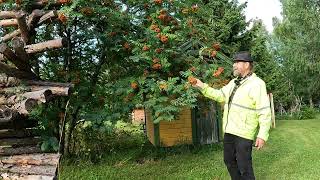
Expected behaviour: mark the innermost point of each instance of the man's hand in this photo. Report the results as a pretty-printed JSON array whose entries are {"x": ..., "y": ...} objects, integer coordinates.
[
  {"x": 259, "y": 143},
  {"x": 199, "y": 84}
]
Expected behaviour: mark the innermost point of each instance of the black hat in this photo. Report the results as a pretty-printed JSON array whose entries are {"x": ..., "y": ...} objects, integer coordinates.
[{"x": 243, "y": 56}]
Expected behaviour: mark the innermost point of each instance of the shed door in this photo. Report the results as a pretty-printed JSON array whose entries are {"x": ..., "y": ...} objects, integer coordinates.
[{"x": 206, "y": 123}]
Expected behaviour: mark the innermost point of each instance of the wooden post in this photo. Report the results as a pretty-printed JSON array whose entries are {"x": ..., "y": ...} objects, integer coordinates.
[{"x": 273, "y": 117}]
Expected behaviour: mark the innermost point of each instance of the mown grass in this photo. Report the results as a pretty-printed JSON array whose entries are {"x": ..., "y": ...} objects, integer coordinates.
[{"x": 292, "y": 152}]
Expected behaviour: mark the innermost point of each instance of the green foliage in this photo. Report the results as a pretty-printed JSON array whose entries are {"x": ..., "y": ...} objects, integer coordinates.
[
  {"x": 173, "y": 44},
  {"x": 50, "y": 144},
  {"x": 48, "y": 117},
  {"x": 306, "y": 112},
  {"x": 93, "y": 138},
  {"x": 296, "y": 44}
]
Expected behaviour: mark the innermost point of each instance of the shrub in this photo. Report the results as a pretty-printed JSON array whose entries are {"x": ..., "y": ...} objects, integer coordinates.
[{"x": 92, "y": 139}]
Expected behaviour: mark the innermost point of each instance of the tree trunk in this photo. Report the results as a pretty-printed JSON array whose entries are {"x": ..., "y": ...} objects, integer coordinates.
[{"x": 311, "y": 103}]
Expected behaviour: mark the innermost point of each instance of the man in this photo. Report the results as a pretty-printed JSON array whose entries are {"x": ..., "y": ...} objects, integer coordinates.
[{"x": 246, "y": 110}]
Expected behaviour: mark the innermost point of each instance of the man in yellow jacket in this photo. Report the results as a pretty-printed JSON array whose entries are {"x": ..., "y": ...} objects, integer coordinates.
[{"x": 246, "y": 112}]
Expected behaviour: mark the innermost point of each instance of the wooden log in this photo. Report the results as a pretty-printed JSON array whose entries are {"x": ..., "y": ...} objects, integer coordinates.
[
  {"x": 1, "y": 57},
  {"x": 8, "y": 22},
  {"x": 25, "y": 106},
  {"x": 47, "y": 83},
  {"x": 14, "y": 72},
  {"x": 42, "y": 3},
  {"x": 7, "y": 133},
  {"x": 48, "y": 17},
  {"x": 8, "y": 151},
  {"x": 18, "y": 123},
  {"x": 51, "y": 159},
  {"x": 14, "y": 90},
  {"x": 6, "y": 114},
  {"x": 20, "y": 142},
  {"x": 43, "y": 96},
  {"x": 11, "y": 56},
  {"x": 31, "y": 170},
  {"x": 25, "y": 177},
  {"x": 6, "y": 81},
  {"x": 44, "y": 46},
  {"x": 22, "y": 24},
  {"x": 56, "y": 91},
  {"x": 7, "y": 14},
  {"x": 34, "y": 18},
  {"x": 9, "y": 36},
  {"x": 18, "y": 46}
]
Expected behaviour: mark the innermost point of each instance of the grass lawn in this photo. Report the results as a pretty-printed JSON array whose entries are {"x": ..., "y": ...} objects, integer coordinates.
[{"x": 292, "y": 152}]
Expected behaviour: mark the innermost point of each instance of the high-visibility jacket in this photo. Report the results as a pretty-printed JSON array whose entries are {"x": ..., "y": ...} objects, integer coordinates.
[{"x": 249, "y": 109}]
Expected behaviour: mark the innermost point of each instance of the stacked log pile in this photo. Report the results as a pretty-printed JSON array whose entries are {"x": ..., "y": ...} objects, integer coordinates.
[{"x": 21, "y": 89}]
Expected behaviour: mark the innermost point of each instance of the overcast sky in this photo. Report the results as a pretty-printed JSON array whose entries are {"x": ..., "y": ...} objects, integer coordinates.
[{"x": 263, "y": 9}]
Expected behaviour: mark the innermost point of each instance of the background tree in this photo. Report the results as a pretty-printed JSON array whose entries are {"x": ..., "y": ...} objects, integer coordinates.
[{"x": 296, "y": 41}]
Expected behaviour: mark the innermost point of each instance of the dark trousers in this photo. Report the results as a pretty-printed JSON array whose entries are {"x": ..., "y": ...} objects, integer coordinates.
[{"x": 237, "y": 157}]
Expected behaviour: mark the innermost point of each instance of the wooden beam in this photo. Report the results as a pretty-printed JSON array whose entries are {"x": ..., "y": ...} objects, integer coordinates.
[
  {"x": 42, "y": 3},
  {"x": 19, "y": 124},
  {"x": 43, "y": 96},
  {"x": 6, "y": 151},
  {"x": 6, "y": 82},
  {"x": 46, "y": 83},
  {"x": 25, "y": 107},
  {"x": 48, "y": 16},
  {"x": 6, "y": 133},
  {"x": 33, "y": 159},
  {"x": 11, "y": 35},
  {"x": 11, "y": 56},
  {"x": 18, "y": 46},
  {"x": 19, "y": 141},
  {"x": 34, "y": 18},
  {"x": 14, "y": 72},
  {"x": 6, "y": 114},
  {"x": 8, "y": 22},
  {"x": 44, "y": 171},
  {"x": 7, "y": 14},
  {"x": 22, "y": 23},
  {"x": 1, "y": 57},
  {"x": 44, "y": 46}
]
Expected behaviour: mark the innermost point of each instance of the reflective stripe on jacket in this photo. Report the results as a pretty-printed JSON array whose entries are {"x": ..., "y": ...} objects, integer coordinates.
[{"x": 249, "y": 109}]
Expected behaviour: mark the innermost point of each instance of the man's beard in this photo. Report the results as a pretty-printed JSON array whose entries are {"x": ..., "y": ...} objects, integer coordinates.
[{"x": 236, "y": 73}]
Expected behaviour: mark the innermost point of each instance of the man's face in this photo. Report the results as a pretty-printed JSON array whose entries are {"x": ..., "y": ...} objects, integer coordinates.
[{"x": 240, "y": 68}]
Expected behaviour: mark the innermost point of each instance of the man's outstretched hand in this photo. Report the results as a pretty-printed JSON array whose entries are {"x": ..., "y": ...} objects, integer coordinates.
[{"x": 198, "y": 84}]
